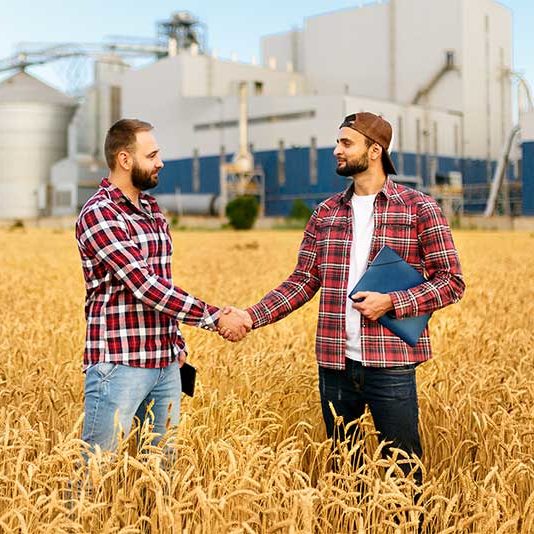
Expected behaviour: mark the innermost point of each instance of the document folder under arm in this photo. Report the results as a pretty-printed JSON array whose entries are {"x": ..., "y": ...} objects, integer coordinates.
[{"x": 388, "y": 272}]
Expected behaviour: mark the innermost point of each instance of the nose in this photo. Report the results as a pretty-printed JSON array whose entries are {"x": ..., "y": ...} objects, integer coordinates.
[
  {"x": 160, "y": 164},
  {"x": 337, "y": 150}
]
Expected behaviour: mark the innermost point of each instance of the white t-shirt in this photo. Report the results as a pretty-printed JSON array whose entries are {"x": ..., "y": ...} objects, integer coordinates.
[{"x": 362, "y": 232}]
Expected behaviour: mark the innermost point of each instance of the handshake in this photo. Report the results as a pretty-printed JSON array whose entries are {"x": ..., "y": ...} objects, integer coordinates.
[{"x": 234, "y": 324}]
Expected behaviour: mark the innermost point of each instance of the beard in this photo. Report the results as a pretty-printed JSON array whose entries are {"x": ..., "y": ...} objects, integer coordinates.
[
  {"x": 354, "y": 167},
  {"x": 143, "y": 180}
]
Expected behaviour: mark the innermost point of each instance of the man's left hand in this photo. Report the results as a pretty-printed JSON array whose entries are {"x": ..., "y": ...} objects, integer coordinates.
[
  {"x": 181, "y": 359},
  {"x": 373, "y": 305}
]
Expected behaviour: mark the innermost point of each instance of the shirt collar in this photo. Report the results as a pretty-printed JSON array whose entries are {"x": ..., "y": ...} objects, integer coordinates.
[
  {"x": 114, "y": 192},
  {"x": 389, "y": 191},
  {"x": 118, "y": 196}
]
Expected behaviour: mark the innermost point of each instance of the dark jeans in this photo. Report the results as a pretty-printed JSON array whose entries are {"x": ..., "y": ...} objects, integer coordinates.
[{"x": 391, "y": 396}]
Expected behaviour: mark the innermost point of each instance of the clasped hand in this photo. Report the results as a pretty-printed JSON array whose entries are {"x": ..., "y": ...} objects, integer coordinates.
[
  {"x": 234, "y": 324},
  {"x": 371, "y": 304}
]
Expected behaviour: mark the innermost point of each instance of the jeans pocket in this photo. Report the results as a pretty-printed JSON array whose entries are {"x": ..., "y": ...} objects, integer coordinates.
[
  {"x": 398, "y": 371},
  {"x": 106, "y": 369}
]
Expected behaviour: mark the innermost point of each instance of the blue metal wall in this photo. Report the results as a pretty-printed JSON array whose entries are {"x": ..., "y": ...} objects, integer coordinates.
[
  {"x": 528, "y": 178},
  {"x": 177, "y": 174}
]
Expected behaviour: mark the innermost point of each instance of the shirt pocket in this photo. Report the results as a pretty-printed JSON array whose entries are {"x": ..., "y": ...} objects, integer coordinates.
[
  {"x": 398, "y": 230},
  {"x": 399, "y": 220},
  {"x": 331, "y": 240}
]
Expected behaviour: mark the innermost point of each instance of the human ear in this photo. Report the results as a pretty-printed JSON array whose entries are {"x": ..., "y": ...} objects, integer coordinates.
[{"x": 124, "y": 160}]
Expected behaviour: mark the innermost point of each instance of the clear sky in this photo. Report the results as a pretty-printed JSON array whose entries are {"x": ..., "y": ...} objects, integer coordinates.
[{"x": 233, "y": 26}]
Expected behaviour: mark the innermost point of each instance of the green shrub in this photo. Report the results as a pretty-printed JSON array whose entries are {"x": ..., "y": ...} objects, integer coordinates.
[
  {"x": 242, "y": 212},
  {"x": 300, "y": 210}
]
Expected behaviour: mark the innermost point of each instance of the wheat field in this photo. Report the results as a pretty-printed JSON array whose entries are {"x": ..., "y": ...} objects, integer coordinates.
[{"x": 251, "y": 454}]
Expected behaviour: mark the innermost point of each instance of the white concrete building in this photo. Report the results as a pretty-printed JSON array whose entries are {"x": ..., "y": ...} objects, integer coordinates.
[
  {"x": 395, "y": 50},
  {"x": 438, "y": 71}
]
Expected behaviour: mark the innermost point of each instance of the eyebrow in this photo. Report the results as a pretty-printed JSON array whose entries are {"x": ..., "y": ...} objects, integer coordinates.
[
  {"x": 345, "y": 139},
  {"x": 153, "y": 153}
]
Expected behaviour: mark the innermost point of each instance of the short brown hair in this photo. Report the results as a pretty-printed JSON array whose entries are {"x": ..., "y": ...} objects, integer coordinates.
[{"x": 121, "y": 136}]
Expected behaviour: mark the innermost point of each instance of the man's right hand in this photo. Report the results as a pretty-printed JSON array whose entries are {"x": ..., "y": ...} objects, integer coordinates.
[{"x": 234, "y": 324}]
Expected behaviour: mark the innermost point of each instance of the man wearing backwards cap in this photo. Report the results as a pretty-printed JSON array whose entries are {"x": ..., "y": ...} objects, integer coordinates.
[{"x": 360, "y": 361}]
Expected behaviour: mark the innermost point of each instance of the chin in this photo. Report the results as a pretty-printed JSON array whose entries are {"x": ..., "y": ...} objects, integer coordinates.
[{"x": 342, "y": 172}]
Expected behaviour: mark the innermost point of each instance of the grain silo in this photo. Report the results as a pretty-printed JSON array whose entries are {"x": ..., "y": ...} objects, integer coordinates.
[{"x": 33, "y": 135}]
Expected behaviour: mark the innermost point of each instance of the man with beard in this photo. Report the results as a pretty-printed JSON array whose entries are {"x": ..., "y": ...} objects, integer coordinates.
[
  {"x": 134, "y": 348},
  {"x": 360, "y": 361}
]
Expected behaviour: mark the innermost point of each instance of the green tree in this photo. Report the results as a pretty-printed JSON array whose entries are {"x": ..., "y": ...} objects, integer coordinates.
[{"x": 242, "y": 212}]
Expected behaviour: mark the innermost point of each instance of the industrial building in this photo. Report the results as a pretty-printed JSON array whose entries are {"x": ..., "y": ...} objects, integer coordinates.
[
  {"x": 33, "y": 122},
  {"x": 441, "y": 72}
]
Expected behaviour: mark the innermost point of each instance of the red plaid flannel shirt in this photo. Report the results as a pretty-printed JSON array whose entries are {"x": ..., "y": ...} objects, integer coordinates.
[
  {"x": 409, "y": 222},
  {"x": 132, "y": 307}
]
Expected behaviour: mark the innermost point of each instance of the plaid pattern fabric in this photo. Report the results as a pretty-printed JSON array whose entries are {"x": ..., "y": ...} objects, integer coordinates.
[
  {"x": 132, "y": 307},
  {"x": 406, "y": 220}
]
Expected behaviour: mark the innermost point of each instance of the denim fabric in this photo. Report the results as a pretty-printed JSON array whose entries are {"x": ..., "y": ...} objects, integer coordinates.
[
  {"x": 115, "y": 393},
  {"x": 389, "y": 392}
]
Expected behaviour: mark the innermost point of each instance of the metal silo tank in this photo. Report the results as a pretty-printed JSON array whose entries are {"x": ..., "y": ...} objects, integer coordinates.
[{"x": 33, "y": 135}]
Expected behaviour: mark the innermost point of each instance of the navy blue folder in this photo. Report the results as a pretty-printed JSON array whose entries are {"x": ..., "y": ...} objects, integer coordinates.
[{"x": 389, "y": 272}]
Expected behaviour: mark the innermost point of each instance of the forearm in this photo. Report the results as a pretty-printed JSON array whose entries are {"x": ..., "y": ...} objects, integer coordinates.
[
  {"x": 298, "y": 289},
  {"x": 443, "y": 289},
  {"x": 163, "y": 296},
  {"x": 286, "y": 298}
]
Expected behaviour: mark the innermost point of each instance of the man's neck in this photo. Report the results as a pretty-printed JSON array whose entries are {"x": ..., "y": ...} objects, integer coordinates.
[
  {"x": 367, "y": 183},
  {"x": 124, "y": 183}
]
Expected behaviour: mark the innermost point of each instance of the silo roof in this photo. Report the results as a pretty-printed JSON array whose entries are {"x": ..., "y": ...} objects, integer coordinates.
[{"x": 22, "y": 87}]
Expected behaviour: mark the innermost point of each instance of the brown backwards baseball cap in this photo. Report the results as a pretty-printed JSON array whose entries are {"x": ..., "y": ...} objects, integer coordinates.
[{"x": 375, "y": 128}]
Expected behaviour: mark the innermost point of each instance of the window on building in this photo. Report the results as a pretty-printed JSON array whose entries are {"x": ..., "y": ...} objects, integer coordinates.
[
  {"x": 196, "y": 171},
  {"x": 281, "y": 162},
  {"x": 258, "y": 88},
  {"x": 266, "y": 119},
  {"x": 313, "y": 161}
]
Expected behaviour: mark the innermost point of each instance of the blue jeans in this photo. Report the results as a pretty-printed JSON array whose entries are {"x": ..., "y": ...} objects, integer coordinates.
[
  {"x": 389, "y": 392},
  {"x": 115, "y": 390}
]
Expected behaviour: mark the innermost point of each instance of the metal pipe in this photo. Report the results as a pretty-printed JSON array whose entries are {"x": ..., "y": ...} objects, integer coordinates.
[
  {"x": 499, "y": 172},
  {"x": 243, "y": 118}
]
